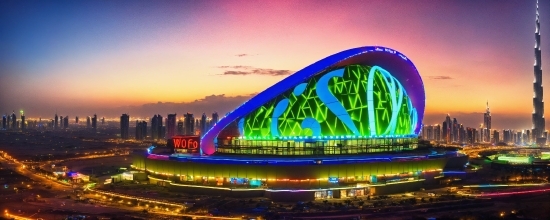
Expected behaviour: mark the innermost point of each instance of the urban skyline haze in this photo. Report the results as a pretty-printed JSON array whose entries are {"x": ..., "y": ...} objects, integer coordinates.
[{"x": 109, "y": 58}]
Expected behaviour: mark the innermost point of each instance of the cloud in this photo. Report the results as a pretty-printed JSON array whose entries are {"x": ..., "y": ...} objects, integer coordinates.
[
  {"x": 245, "y": 55},
  {"x": 209, "y": 104},
  {"x": 248, "y": 70},
  {"x": 235, "y": 67},
  {"x": 440, "y": 77}
]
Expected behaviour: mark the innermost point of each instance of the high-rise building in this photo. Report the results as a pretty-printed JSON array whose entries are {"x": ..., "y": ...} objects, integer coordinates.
[
  {"x": 203, "y": 124},
  {"x": 470, "y": 135},
  {"x": 171, "y": 125},
  {"x": 88, "y": 122},
  {"x": 214, "y": 119},
  {"x": 181, "y": 131},
  {"x": 23, "y": 125},
  {"x": 103, "y": 121},
  {"x": 56, "y": 118},
  {"x": 437, "y": 132},
  {"x": 519, "y": 138},
  {"x": 4, "y": 122},
  {"x": 189, "y": 124},
  {"x": 9, "y": 122},
  {"x": 76, "y": 120},
  {"x": 156, "y": 127},
  {"x": 60, "y": 121},
  {"x": 487, "y": 117},
  {"x": 455, "y": 131},
  {"x": 141, "y": 130},
  {"x": 427, "y": 132},
  {"x": 94, "y": 122},
  {"x": 124, "y": 126},
  {"x": 13, "y": 121},
  {"x": 507, "y": 136},
  {"x": 66, "y": 122},
  {"x": 447, "y": 129},
  {"x": 496, "y": 137},
  {"x": 539, "y": 123}
]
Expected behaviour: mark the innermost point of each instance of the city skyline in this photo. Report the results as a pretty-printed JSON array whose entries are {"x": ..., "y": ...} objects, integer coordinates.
[{"x": 105, "y": 73}]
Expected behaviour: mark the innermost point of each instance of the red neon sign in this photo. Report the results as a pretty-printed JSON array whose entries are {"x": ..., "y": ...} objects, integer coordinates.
[{"x": 186, "y": 143}]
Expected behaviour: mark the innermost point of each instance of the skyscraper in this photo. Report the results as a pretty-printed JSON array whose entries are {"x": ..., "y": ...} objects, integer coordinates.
[
  {"x": 88, "y": 122},
  {"x": 76, "y": 120},
  {"x": 124, "y": 126},
  {"x": 94, "y": 122},
  {"x": 66, "y": 122},
  {"x": 156, "y": 127},
  {"x": 487, "y": 117},
  {"x": 141, "y": 130},
  {"x": 56, "y": 121},
  {"x": 203, "y": 124},
  {"x": 539, "y": 126},
  {"x": 189, "y": 124},
  {"x": 9, "y": 121},
  {"x": 180, "y": 128},
  {"x": 214, "y": 119},
  {"x": 23, "y": 125},
  {"x": 4, "y": 121},
  {"x": 455, "y": 131},
  {"x": 447, "y": 129},
  {"x": 13, "y": 121},
  {"x": 171, "y": 125}
]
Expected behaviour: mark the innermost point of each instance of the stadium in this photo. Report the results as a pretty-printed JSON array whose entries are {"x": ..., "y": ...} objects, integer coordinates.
[{"x": 344, "y": 126}]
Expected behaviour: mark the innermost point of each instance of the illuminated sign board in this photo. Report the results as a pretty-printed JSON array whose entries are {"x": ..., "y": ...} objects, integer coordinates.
[
  {"x": 333, "y": 179},
  {"x": 185, "y": 144}
]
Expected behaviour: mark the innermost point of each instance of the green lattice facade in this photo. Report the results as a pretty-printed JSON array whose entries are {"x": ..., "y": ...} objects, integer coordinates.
[{"x": 392, "y": 111}]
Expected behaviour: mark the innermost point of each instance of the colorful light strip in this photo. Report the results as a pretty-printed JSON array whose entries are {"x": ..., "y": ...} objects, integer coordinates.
[{"x": 503, "y": 185}]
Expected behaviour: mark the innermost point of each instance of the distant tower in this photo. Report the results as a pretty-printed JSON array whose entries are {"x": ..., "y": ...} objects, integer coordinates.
[
  {"x": 9, "y": 121},
  {"x": 141, "y": 130},
  {"x": 13, "y": 121},
  {"x": 23, "y": 125},
  {"x": 447, "y": 129},
  {"x": 56, "y": 121},
  {"x": 94, "y": 122},
  {"x": 215, "y": 119},
  {"x": 124, "y": 126},
  {"x": 180, "y": 128},
  {"x": 189, "y": 124},
  {"x": 88, "y": 122},
  {"x": 203, "y": 124},
  {"x": 66, "y": 122},
  {"x": 487, "y": 117},
  {"x": 156, "y": 127},
  {"x": 4, "y": 121},
  {"x": 76, "y": 120},
  {"x": 171, "y": 125},
  {"x": 538, "y": 103}
]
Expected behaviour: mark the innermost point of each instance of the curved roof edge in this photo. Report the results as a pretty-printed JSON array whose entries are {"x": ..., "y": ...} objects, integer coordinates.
[{"x": 339, "y": 59}]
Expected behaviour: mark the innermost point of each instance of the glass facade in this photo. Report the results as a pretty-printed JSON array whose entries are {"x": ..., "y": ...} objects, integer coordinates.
[{"x": 319, "y": 147}]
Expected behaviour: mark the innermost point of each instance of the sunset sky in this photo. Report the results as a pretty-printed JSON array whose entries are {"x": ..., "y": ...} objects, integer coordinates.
[{"x": 160, "y": 57}]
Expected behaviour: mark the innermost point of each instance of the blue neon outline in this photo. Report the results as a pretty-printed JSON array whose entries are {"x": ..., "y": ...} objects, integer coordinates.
[
  {"x": 331, "y": 102},
  {"x": 207, "y": 141}
]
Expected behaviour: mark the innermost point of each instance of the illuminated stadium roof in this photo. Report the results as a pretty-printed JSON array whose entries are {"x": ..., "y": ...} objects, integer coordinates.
[{"x": 366, "y": 92}]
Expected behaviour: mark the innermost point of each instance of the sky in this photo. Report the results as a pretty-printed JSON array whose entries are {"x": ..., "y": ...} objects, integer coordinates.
[{"x": 80, "y": 58}]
